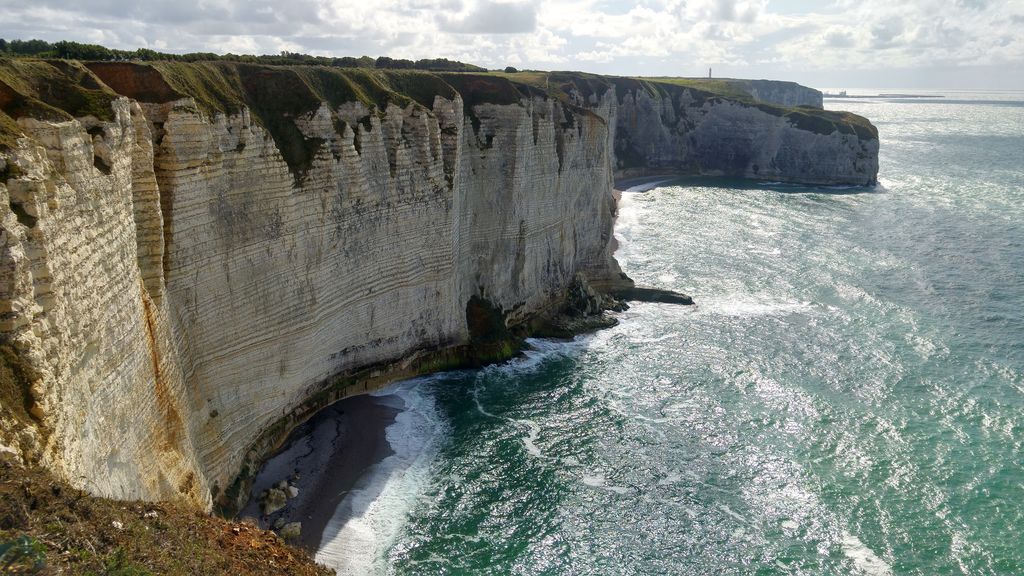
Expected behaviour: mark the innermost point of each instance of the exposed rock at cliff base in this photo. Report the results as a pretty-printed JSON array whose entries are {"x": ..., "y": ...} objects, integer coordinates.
[
  {"x": 291, "y": 531},
  {"x": 643, "y": 294},
  {"x": 273, "y": 500},
  {"x": 583, "y": 310}
]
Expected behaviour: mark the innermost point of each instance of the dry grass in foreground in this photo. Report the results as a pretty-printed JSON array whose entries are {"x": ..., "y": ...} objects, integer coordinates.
[{"x": 47, "y": 527}]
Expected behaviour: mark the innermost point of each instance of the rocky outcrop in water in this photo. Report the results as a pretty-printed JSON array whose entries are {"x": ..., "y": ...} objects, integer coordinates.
[{"x": 197, "y": 257}]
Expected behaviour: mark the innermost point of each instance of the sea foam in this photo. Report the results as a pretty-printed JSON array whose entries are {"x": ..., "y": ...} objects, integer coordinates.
[
  {"x": 864, "y": 559},
  {"x": 367, "y": 521}
]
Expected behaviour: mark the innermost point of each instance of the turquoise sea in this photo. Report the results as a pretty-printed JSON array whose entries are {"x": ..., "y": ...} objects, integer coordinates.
[{"x": 847, "y": 397}]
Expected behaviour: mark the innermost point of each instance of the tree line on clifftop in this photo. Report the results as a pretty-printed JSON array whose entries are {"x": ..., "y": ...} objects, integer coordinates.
[{"x": 78, "y": 51}]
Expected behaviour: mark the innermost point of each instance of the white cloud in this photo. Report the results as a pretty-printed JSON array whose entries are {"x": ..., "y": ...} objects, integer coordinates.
[
  {"x": 488, "y": 17},
  {"x": 739, "y": 37}
]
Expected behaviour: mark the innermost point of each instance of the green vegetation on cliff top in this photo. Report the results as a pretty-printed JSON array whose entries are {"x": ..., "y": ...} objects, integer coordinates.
[
  {"x": 275, "y": 95},
  {"x": 61, "y": 89},
  {"x": 563, "y": 85},
  {"x": 700, "y": 90},
  {"x": 50, "y": 90},
  {"x": 226, "y": 87},
  {"x": 803, "y": 117}
]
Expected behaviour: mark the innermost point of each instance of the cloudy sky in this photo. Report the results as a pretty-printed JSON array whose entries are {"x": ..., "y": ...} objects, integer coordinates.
[{"x": 826, "y": 44}]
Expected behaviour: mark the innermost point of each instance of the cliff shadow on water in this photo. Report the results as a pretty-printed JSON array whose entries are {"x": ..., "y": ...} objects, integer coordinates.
[{"x": 262, "y": 241}]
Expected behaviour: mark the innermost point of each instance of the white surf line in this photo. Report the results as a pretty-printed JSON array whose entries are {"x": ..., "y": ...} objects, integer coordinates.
[
  {"x": 644, "y": 187},
  {"x": 371, "y": 516},
  {"x": 532, "y": 428},
  {"x": 540, "y": 350},
  {"x": 480, "y": 407},
  {"x": 735, "y": 515},
  {"x": 748, "y": 305},
  {"x": 864, "y": 558},
  {"x": 599, "y": 481},
  {"x": 530, "y": 442}
]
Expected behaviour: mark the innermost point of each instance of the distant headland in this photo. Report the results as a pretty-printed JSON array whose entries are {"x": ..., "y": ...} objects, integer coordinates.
[{"x": 843, "y": 94}]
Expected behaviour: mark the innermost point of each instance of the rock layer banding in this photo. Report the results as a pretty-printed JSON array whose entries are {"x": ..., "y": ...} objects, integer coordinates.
[{"x": 185, "y": 278}]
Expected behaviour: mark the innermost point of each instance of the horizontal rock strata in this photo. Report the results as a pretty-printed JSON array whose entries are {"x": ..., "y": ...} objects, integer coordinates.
[
  {"x": 676, "y": 129},
  {"x": 188, "y": 276}
]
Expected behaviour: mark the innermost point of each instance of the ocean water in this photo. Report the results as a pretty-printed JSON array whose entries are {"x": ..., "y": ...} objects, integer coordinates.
[{"x": 847, "y": 397}]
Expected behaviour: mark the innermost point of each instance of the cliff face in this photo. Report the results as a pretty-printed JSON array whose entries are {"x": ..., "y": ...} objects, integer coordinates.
[
  {"x": 788, "y": 94},
  {"x": 675, "y": 129},
  {"x": 189, "y": 276},
  {"x": 93, "y": 345},
  {"x": 198, "y": 255}
]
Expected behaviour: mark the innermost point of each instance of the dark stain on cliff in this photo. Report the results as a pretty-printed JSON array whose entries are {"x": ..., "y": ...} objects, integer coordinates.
[
  {"x": 173, "y": 428},
  {"x": 489, "y": 336},
  {"x": 16, "y": 399},
  {"x": 24, "y": 218},
  {"x": 277, "y": 97},
  {"x": 165, "y": 192},
  {"x": 520, "y": 260},
  {"x": 479, "y": 89}
]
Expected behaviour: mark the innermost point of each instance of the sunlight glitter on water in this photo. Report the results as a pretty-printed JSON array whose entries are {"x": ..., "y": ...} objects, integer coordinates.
[{"x": 845, "y": 398}]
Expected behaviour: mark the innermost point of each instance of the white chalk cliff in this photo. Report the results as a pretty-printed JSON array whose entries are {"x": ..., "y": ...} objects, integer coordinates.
[{"x": 176, "y": 293}]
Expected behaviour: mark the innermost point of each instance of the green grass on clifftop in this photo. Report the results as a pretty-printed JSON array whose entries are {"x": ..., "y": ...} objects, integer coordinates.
[
  {"x": 48, "y": 89},
  {"x": 701, "y": 90},
  {"x": 224, "y": 87},
  {"x": 277, "y": 94},
  {"x": 828, "y": 121},
  {"x": 803, "y": 117},
  {"x": 9, "y": 132},
  {"x": 558, "y": 85},
  {"x": 722, "y": 87}
]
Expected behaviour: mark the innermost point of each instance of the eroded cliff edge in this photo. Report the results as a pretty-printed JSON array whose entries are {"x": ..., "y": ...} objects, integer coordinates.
[{"x": 196, "y": 257}]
